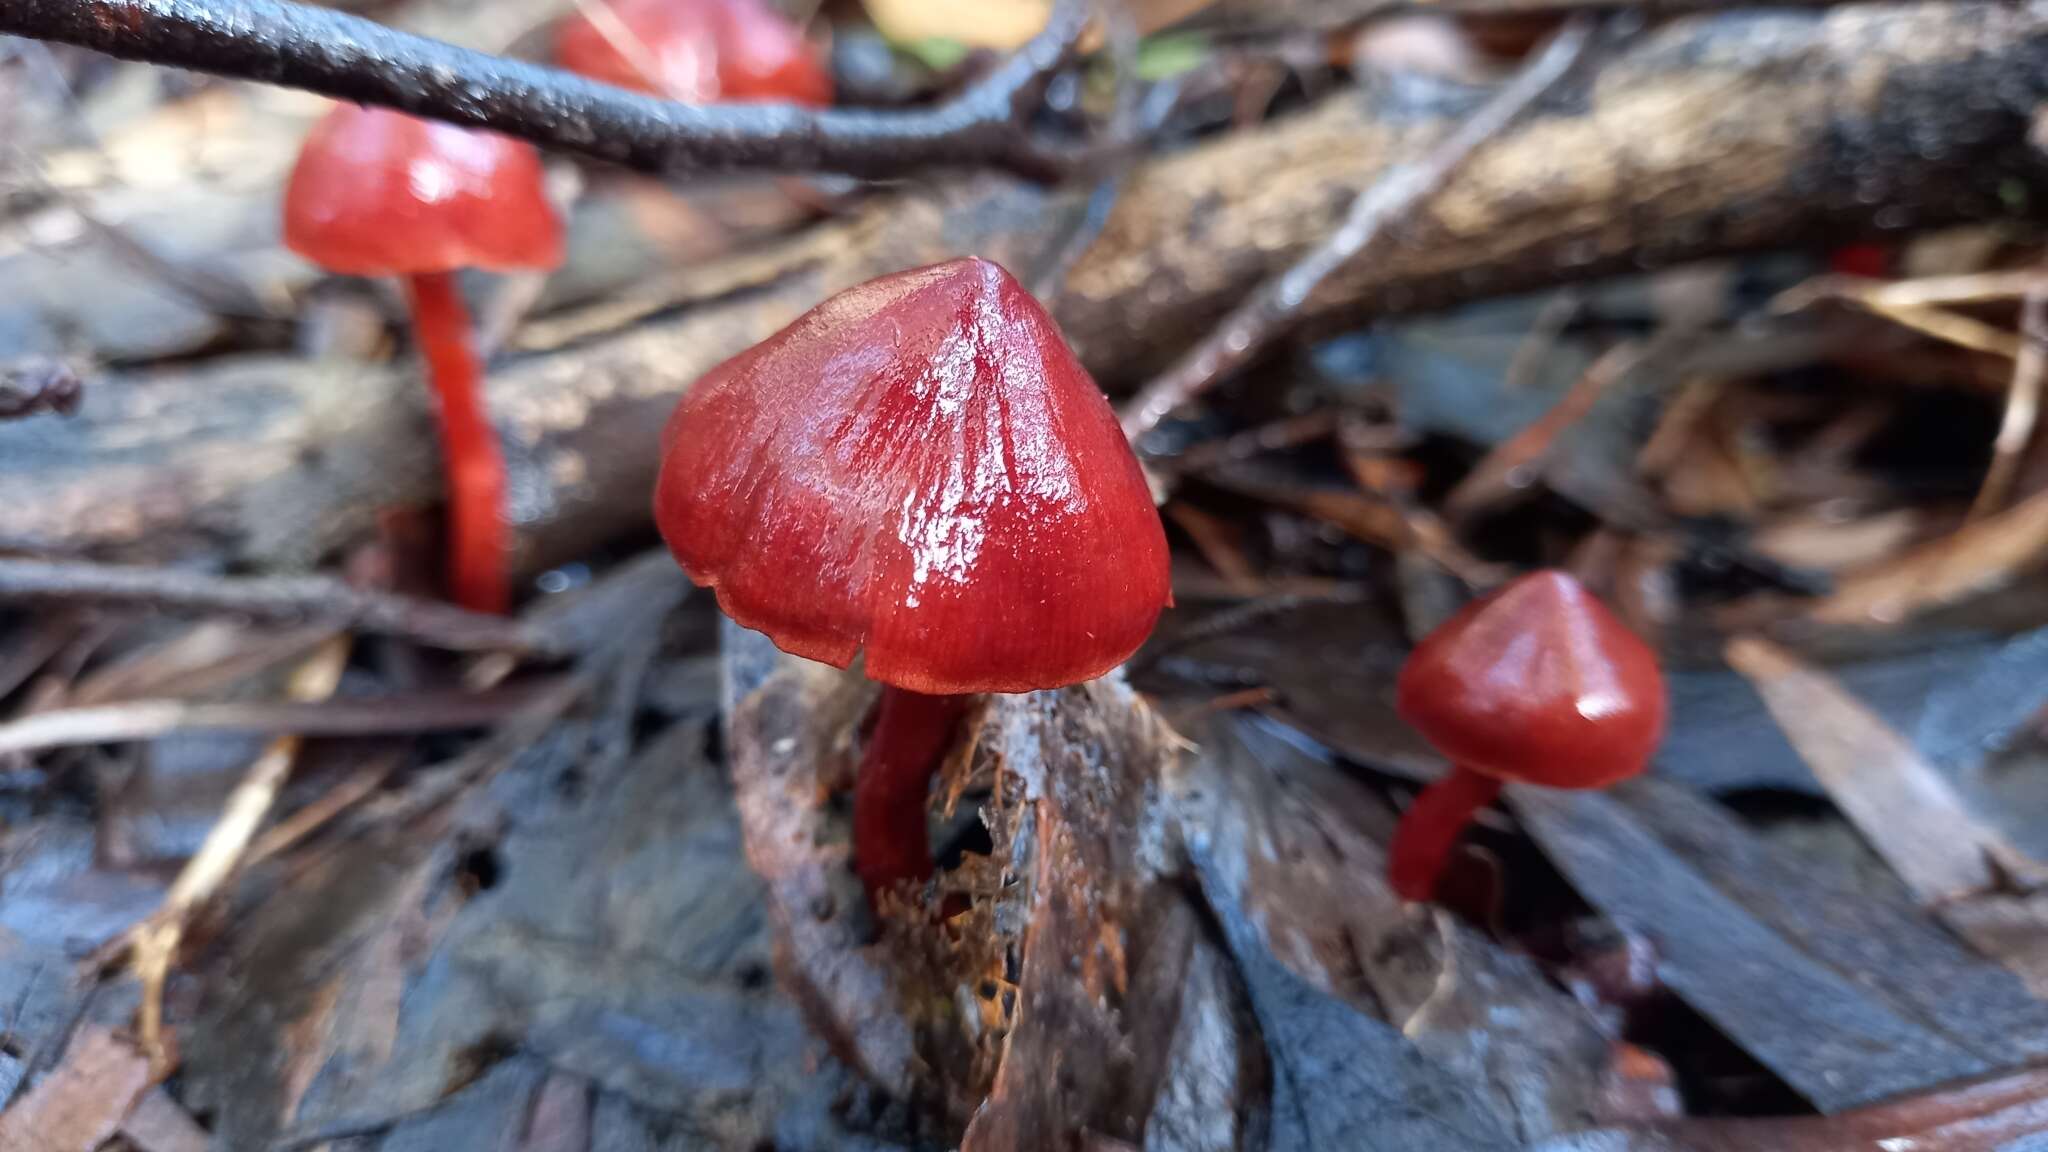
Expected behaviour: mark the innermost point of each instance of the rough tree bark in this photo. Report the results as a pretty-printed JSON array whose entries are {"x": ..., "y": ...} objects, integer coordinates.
[{"x": 1714, "y": 134}]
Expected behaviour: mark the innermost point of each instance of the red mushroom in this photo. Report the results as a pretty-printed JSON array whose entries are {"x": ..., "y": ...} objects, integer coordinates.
[
  {"x": 1538, "y": 683},
  {"x": 918, "y": 468},
  {"x": 697, "y": 52},
  {"x": 379, "y": 193}
]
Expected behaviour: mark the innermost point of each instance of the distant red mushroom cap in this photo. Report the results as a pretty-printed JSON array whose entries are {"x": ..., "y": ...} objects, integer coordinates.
[
  {"x": 919, "y": 466},
  {"x": 1538, "y": 683},
  {"x": 700, "y": 52},
  {"x": 380, "y": 193}
]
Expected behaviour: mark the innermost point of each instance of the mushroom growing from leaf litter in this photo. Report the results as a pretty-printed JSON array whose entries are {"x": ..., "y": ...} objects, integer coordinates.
[
  {"x": 919, "y": 469},
  {"x": 380, "y": 193},
  {"x": 1537, "y": 683}
]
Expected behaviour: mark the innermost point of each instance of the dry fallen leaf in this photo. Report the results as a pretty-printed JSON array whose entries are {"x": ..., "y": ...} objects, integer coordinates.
[
  {"x": 1905, "y": 808},
  {"x": 158, "y": 1124},
  {"x": 82, "y": 1102},
  {"x": 1975, "y": 560}
]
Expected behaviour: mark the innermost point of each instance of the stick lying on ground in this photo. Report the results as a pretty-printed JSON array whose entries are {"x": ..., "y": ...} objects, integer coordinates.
[
  {"x": 350, "y": 58},
  {"x": 1710, "y": 135},
  {"x": 271, "y": 599}
]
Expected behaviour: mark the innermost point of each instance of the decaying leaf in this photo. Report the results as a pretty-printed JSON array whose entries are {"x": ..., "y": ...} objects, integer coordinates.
[
  {"x": 2000, "y": 1114},
  {"x": 1342, "y": 1079},
  {"x": 1299, "y": 845},
  {"x": 83, "y": 1100},
  {"x": 1837, "y": 1042},
  {"x": 1907, "y": 811},
  {"x": 1978, "y": 559},
  {"x": 158, "y": 1124}
]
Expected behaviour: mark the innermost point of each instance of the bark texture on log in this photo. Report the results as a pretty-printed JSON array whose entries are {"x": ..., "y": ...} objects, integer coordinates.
[{"x": 1714, "y": 134}]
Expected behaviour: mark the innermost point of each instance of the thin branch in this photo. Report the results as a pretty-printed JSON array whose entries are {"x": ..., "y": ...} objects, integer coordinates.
[
  {"x": 272, "y": 599},
  {"x": 1121, "y": 50},
  {"x": 350, "y": 58},
  {"x": 1276, "y": 306},
  {"x": 1925, "y": 292},
  {"x": 149, "y": 719},
  {"x": 2022, "y": 406},
  {"x": 153, "y": 944}
]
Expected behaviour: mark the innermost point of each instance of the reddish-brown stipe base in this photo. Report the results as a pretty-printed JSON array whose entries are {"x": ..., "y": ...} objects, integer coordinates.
[
  {"x": 475, "y": 468},
  {"x": 911, "y": 735},
  {"x": 1430, "y": 827}
]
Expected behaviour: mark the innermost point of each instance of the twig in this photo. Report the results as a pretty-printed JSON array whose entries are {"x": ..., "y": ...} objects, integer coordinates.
[
  {"x": 1278, "y": 435},
  {"x": 1509, "y": 468},
  {"x": 359, "y": 785},
  {"x": 1974, "y": 560},
  {"x": 1556, "y": 315},
  {"x": 2022, "y": 406},
  {"x": 1917, "y": 304},
  {"x": 1276, "y": 305},
  {"x": 1121, "y": 43},
  {"x": 1925, "y": 292},
  {"x": 271, "y": 599},
  {"x": 148, "y": 719},
  {"x": 153, "y": 944},
  {"x": 39, "y": 386},
  {"x": 350, "y": 58},
  {"x": 1948, "y": 327}
]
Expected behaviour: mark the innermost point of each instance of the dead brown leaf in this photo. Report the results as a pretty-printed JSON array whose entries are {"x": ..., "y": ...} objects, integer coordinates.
[
  {"x": 1972, "y": 561},
  {"x": 82, "y": 1102},
  {"x": 158, "y": 1124},
  {"x": 1905, "y": 809}
]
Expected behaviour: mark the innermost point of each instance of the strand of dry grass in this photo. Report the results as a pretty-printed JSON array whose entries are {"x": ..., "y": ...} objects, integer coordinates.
[
  {"x": 2022, "y": 406},
  {"x": 153, "y": 944}
]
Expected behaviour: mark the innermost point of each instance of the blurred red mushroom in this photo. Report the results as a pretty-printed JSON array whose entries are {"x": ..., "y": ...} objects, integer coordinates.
[
  {"x": 696, "y": 52},
  {"x": 379, "y": 193},
  {"x": 918, "y": 468},
  {"x": 1538, "y": 683}
]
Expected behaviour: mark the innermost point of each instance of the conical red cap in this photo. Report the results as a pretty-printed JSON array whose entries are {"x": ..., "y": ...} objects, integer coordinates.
[
  {"x": 1539, "y": 683},
  {"x": 380, "y": 193},
  {"x": 920, "y": 467},
  {"x": 699, "y": 52}
]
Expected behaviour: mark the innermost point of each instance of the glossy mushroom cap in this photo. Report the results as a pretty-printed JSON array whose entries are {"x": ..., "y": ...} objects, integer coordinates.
[
  {"x": 919, "y": 466},
  {"x": 380, "y": 193},
  {"x": 700, "y": 52},
  {"x": 1538, "y": 683}
]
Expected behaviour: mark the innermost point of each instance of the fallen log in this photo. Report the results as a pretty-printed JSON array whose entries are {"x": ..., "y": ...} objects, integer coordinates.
[{"x": 1714, "y": 134}]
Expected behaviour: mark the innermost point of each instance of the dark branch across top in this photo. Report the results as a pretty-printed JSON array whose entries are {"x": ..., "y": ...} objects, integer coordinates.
[{"x": 350, "y": 58}]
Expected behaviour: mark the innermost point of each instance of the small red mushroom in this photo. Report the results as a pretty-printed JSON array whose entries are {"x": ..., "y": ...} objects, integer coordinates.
[
  {"x": 379, "y": 193},
  {"x": 918, "y": 468},
  {"x": 697, "y": 52},
  {"x": 1538, "y": 683}
]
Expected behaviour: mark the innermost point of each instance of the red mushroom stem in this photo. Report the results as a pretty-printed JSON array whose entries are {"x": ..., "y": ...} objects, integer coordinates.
[
  {"x": 912, "y": 732},
  {"x": 1428, "y": 830},
  {"x": 475, "y": 468}
]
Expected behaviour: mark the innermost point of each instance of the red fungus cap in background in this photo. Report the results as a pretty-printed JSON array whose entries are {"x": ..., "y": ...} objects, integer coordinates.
[
  {"x": 700, "y": 52},
  {"x": 380, "y": 193},
  {"x": 919, "y": 466},
  {"x": 1538, "y": 683}
]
